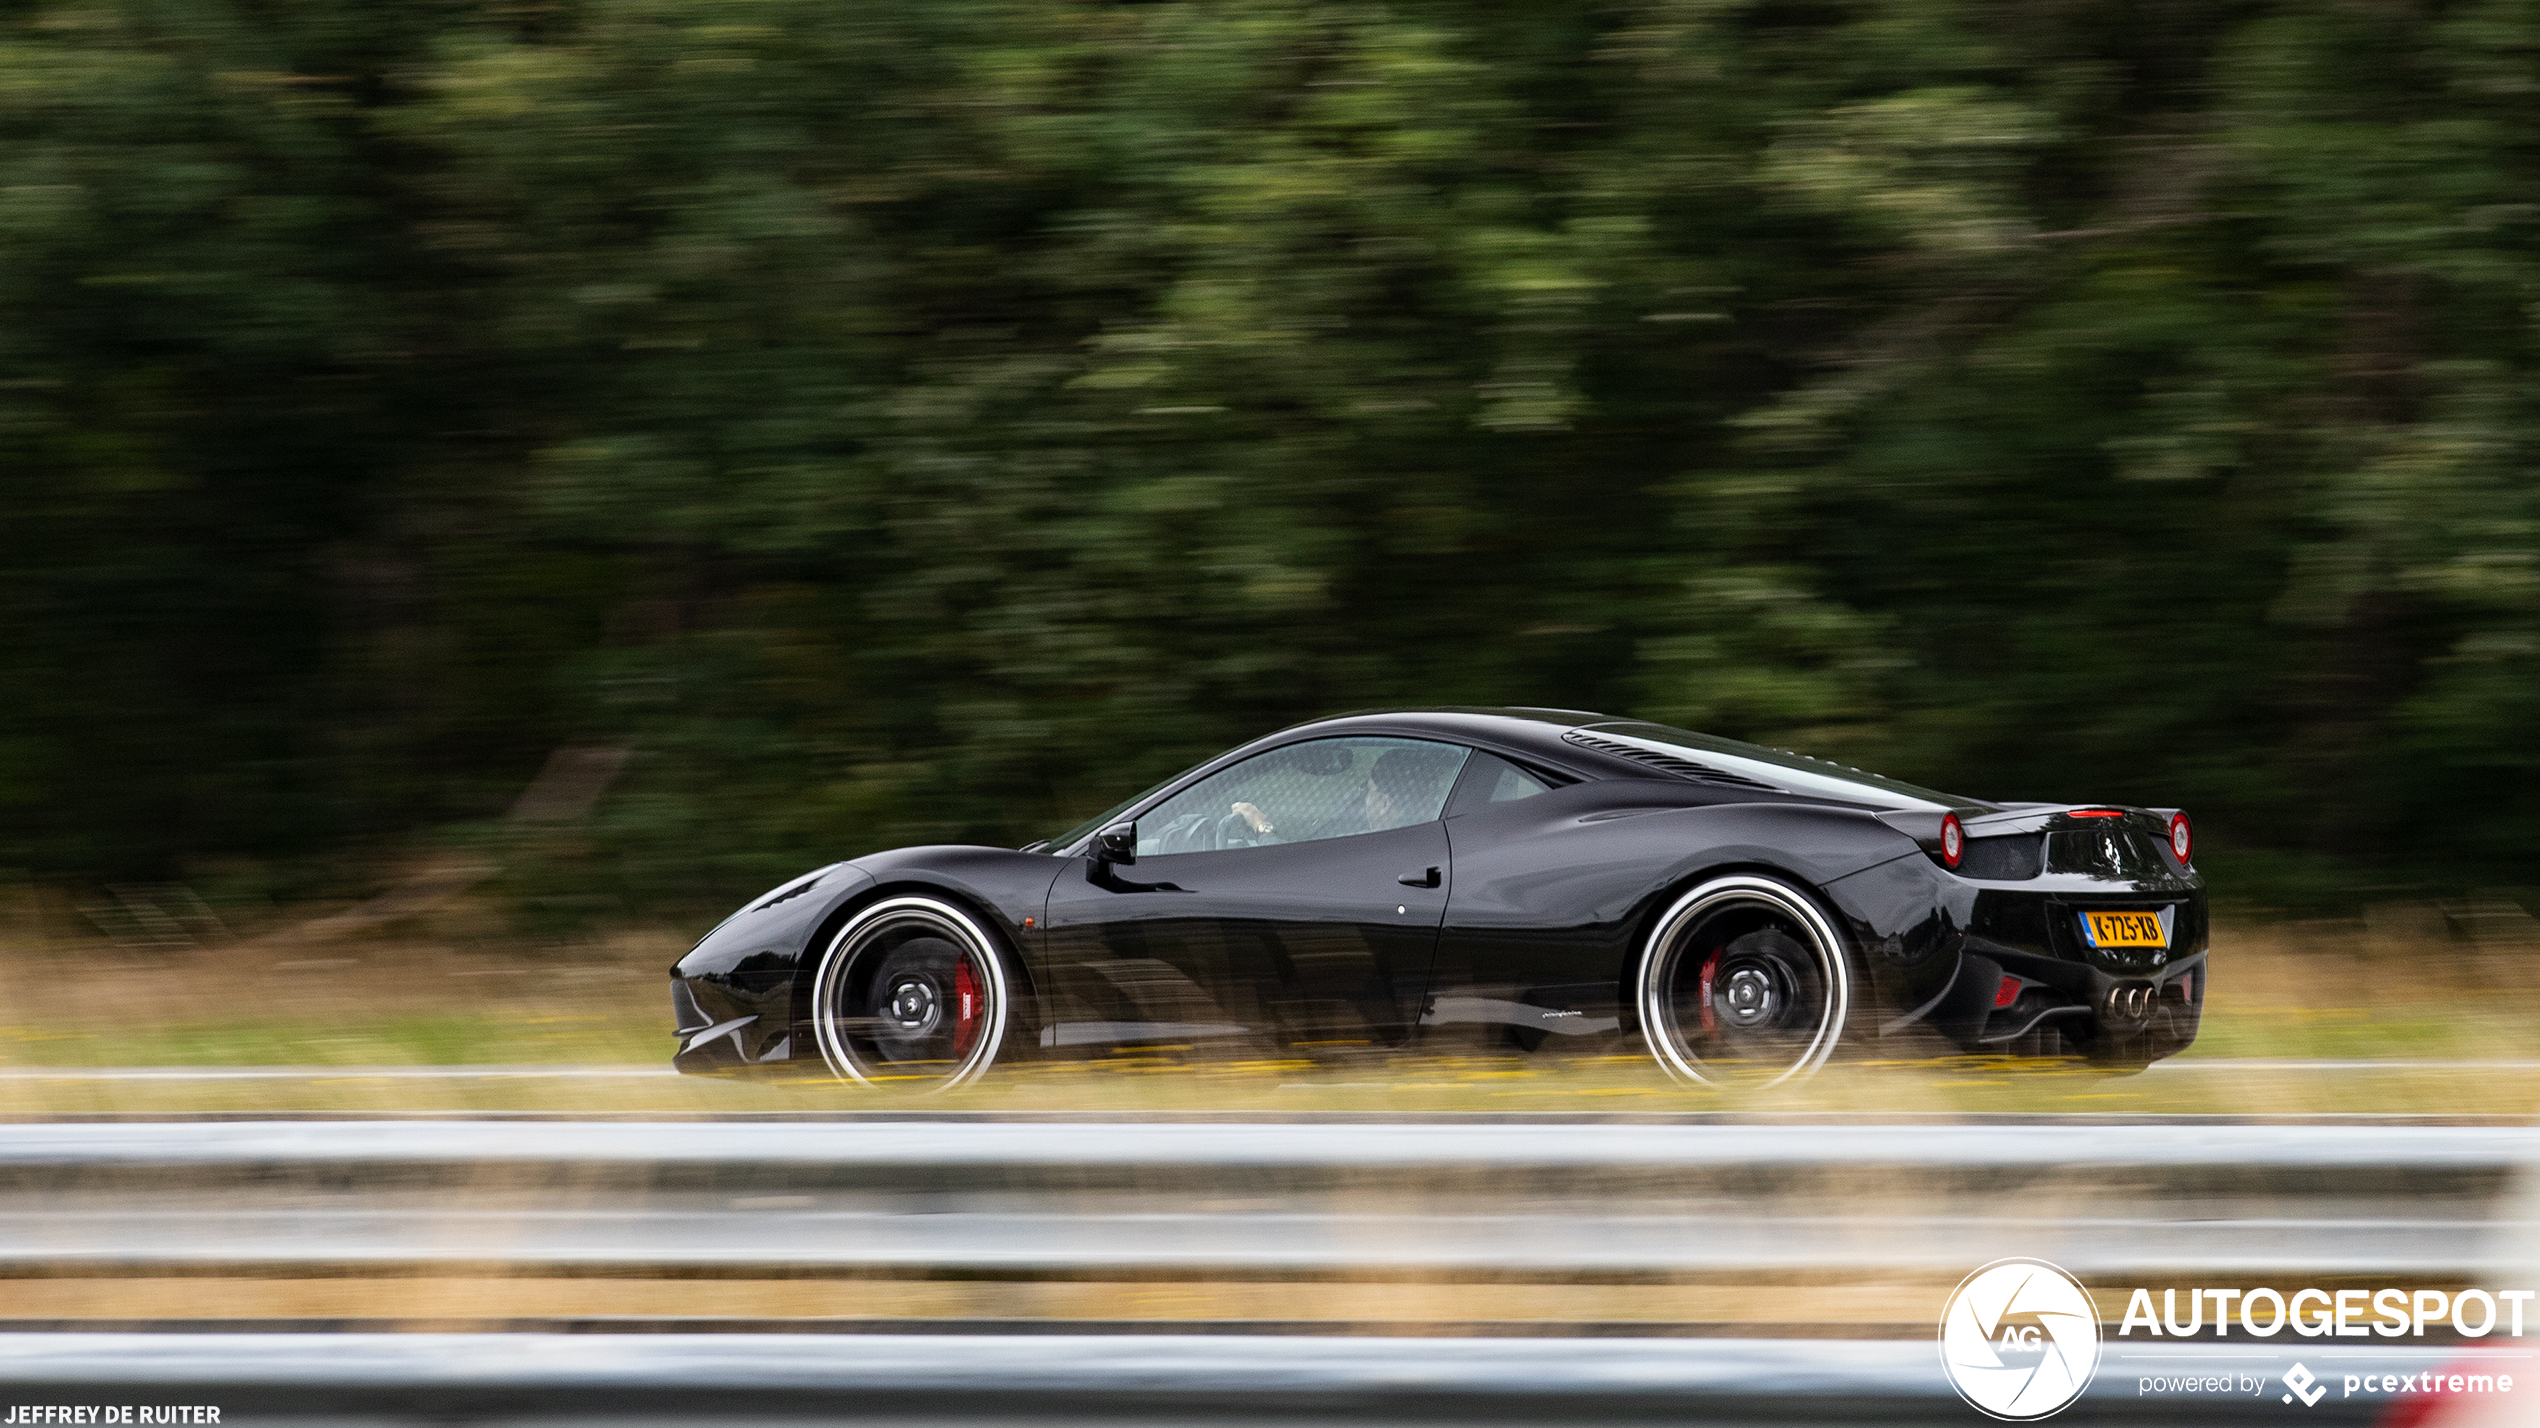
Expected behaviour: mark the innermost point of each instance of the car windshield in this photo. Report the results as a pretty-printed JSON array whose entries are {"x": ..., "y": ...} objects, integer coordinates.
[
  {"x": 1072, "y": 836},
  {"x": 1789, "y": 772}
]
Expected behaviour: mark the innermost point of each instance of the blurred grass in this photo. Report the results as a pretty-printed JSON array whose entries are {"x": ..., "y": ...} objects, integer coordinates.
[
  {"x": 451, "y": 1038},
  {"x": 2392, "y": 988}
]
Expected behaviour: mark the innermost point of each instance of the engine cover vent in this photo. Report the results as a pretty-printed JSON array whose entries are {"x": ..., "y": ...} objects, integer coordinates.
[{"x": 1668, "y": 764}]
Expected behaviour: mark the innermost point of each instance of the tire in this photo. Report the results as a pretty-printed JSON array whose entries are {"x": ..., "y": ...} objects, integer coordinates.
[
  {"x": 913, "y": 993},
  {"x": 1772, "y": 970}
]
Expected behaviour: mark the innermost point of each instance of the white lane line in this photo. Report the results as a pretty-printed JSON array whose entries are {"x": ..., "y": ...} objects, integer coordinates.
[
  {"x": 2264, "y": 1063},
  {"x": 328, "y": 1073},
  {"x": 428, "y": 1073},
  {"x": 2289, "y": 1066}
]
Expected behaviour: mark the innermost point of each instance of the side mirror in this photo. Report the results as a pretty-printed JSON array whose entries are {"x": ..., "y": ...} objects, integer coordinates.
[{"x": 1117, "y": 843}]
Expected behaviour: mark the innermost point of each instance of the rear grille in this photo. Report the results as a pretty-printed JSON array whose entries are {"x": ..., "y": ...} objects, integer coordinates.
[
  {"x": 2012, "y": 858},
  {"x": 1668, "y": 764}
]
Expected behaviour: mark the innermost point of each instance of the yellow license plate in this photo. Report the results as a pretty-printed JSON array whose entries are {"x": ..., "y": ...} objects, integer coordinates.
[{"x": 2126, "y": 929}]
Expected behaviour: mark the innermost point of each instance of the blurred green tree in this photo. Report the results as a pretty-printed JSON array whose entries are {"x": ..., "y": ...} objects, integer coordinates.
[{"x": 930, "y": 421}]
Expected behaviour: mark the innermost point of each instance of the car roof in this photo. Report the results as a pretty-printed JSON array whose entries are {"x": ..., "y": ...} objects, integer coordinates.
[
  {"x": 1605, "y": 750},
  {"x": 1533, "y": 736},
  {"x": 1514, "y": 727}
]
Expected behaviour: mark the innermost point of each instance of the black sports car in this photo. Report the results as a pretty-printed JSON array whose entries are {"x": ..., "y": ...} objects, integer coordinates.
[{"x": 1740, "y": 912}]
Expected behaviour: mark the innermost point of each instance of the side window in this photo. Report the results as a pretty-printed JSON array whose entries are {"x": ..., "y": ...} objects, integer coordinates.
[
  {"x": 1492, "y": 779},
  {"x": 1325, "y": 788}
]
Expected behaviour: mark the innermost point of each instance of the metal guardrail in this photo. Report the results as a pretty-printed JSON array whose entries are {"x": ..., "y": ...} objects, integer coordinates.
[
  {"x": 1181, "y": 1379},
  {"x": 1147, "y": 1198},
  {"x": 1805, "y": 1208}
]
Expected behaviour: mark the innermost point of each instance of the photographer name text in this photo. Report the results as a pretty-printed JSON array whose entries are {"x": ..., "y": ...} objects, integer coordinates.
[{"x": 51, "y": 1414}]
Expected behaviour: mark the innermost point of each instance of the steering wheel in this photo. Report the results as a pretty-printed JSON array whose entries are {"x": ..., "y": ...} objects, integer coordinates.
[{"x": 1234, "y": 832}]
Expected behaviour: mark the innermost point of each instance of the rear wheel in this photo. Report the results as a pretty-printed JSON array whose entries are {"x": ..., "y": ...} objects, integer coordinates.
[
  {"x": 911, "y": 993},
  {"x": 1744, "y": 985}
]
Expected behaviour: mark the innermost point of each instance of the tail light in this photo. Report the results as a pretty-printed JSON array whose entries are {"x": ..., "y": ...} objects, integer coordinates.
[
  {"x": 2007, "y": 993},
  {"x": 1953, "y": 839},
  {"x": 2182, "y": 837}
]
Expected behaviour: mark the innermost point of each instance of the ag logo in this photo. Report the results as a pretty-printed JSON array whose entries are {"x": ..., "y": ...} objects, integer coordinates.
[{"x": 2020, "y": 1339}]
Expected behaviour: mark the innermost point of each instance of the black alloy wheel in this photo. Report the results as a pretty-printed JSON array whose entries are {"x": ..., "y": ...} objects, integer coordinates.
[
  {"x": 912, "y": 993},
  {"x": 1744, "y": 985}
]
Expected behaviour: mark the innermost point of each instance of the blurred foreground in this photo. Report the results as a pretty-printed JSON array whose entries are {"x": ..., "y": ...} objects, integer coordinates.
[{"x": 1852, "y": 1229}]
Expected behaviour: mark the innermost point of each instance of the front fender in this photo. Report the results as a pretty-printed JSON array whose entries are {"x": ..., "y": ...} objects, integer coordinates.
[
  {"x": 733, "y": 994},
  {"x": 739, "y": 993}
]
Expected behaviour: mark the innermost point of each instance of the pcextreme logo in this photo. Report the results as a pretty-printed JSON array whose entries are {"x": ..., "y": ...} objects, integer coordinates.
[
  {"x": 2020, "y": 1340},
  {"x": 2306, "y": 1386}
]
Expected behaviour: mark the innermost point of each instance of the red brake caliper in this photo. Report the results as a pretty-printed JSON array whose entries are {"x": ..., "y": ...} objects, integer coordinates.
[
  {"x": 1710, "y": 1021},
  {"x": 968, "y": 1008}
]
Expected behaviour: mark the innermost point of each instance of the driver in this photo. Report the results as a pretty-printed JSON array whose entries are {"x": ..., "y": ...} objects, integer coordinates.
[{"x": 1395, "y": 789}]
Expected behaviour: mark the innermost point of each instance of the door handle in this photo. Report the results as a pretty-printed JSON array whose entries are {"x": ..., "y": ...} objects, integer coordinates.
[{"x": 1428, "y": 879}]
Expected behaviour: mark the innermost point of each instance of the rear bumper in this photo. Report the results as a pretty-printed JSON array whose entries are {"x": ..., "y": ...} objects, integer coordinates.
[
  {"x": 1938, "y": 947},
  {"x": 2065, "y": 1006},
  {"x": 2120, "y": 1005}
]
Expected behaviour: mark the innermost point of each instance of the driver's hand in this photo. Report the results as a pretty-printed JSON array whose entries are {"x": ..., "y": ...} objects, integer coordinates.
[{"x": 1254, "y": 816}]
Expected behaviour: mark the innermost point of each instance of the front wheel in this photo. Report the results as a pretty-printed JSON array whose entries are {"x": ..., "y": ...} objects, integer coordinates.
[
  {"x": 1744, "y": 985},
  {"x": 912, "y": 993}
]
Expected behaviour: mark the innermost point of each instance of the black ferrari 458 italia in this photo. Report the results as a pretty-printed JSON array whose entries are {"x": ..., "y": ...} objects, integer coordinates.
[{"x": 1740, "y": 913}]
